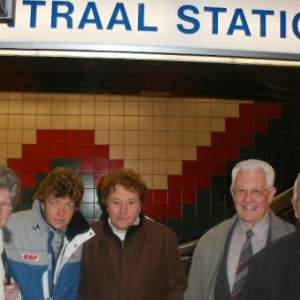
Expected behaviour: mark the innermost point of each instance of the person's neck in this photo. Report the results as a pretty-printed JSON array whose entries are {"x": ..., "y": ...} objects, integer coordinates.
[{"x": 121, "y": 233}]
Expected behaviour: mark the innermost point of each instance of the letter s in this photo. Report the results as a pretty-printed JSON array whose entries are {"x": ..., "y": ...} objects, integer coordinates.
[{"x": 193, "y": 21}]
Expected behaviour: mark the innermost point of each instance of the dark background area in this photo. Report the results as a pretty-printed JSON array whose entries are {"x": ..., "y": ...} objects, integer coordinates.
[{"x": 165, "y": 78}]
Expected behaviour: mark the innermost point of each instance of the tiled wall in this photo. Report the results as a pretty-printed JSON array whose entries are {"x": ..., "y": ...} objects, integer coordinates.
[{"x": 183, "y": 147}]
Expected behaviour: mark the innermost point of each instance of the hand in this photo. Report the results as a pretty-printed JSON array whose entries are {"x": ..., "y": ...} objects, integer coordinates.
[{"x": 11, "y": 291}]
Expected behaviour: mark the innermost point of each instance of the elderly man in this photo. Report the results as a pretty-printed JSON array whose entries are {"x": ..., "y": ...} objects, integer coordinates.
[
  {"x": 216, "y": 271},
  {"x": 274, "y": 273}
]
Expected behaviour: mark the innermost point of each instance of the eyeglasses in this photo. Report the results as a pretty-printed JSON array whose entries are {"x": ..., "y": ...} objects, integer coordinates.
[
  {"x": 254, "y": 192},
  {"x": 7, "y": 206},
  {"x": 55, "y": 204}
]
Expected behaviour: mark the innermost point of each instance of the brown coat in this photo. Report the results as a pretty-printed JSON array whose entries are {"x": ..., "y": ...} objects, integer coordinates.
[{"x": 146, "y": 267}]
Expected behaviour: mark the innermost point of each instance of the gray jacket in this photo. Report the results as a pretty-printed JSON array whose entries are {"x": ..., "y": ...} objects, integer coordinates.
[{"x": 208, "y": 256}]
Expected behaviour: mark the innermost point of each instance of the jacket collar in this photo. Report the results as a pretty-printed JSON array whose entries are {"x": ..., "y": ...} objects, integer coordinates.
[{"x": 130, "y": 231}]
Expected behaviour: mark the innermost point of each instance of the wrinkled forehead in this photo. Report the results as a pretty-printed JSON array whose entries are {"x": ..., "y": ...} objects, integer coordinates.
[{"x": 256, "y": 175}]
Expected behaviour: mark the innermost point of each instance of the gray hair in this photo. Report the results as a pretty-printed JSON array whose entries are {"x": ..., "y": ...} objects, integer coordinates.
[
  {"x": 295, "y": 191},
  {"x": 10, "y": 181},
  {"x": 252, "y": 164}
]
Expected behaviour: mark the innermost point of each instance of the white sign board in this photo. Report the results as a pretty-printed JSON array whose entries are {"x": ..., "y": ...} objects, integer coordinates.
[{"x": 244, "y": 28}]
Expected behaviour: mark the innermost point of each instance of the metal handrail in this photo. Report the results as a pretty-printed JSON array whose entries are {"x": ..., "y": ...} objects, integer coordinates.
[{"x": 282, "y": 202}]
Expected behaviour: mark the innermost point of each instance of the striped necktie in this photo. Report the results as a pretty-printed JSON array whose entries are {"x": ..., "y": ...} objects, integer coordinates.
[{"x": 242, "y": 269}]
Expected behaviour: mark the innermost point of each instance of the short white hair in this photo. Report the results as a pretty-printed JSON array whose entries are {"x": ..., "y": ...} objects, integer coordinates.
[{"x": 252, "y": 164}]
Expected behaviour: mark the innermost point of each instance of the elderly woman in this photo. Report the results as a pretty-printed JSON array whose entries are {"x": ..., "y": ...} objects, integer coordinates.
[
  {"x": 10, "y": 189},
  {"x": 131, "y": 256}
]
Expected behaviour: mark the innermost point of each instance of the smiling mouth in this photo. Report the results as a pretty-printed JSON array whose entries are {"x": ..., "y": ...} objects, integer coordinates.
[{"x": 249, "y": 207}]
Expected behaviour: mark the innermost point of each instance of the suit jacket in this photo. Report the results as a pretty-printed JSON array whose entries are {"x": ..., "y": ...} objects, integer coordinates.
[{"x": 209, "y": 253}]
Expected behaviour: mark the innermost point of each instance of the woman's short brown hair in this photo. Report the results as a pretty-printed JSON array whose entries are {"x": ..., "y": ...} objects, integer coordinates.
[
  {"x": 61, "y": 182},
  {"x": 126, "y": 178}
]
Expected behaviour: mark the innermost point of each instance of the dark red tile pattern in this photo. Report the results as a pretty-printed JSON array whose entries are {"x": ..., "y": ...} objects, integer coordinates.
[{"x": 183, "y": 190}]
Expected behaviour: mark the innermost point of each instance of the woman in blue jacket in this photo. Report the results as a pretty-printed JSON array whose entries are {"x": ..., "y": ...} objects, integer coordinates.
[{"x": 44, "y": 249}]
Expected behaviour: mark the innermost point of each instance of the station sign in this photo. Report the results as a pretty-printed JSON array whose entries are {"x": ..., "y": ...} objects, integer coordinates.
[{"x": 245, "y": 28}]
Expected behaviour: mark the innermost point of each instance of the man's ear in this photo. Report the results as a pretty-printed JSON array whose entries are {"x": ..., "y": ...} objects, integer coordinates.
[
  {"x": 272, "y": 194},
  {"x": 295, "y": 210}
]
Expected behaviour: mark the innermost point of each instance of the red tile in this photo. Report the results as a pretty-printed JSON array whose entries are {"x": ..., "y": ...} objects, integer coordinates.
[
  {"x": 218, "y": 168},
  {"x": 232, "y": 124},
  {"x": 44, "y": 137},
  {"x": 29, "y": 150},
  {"x": 217, "y": 139},
  {"x": 29, "y": 180},
  {"x": 175, "y": 211},
  {"x": 174, "y": 196},
  {"x": 204, "y": 182},
  {"x": 43, "y": 150},
  {"x": 115, "y": 164},
  {"x": 260, "y": 111},
  {"x": 204, "y": 153},
  {"x": 43, "y": 165},
  {"x": 246, "y": 125},
  {"x": 275, "y": 110},
  {"x": 148, "y": 210},
  {"x": 232, "y": 154},
  {"x": 189, "y": 196},
  {"x": 174, "y": 181},
  {"x": 15, "y": 164},
  {"x": 87, "y": 166},
  {"x": 102, "y": 165},
  {"x": 149, "y": 196},
  {"x": 189, "y": 166},
  {"x": 148, "y": 206},
  {"x": 232, "y": 139},
  {"x": 58, "y": 151},
  {"x": 247, "y": 110},
  {"x": 160, "y": 211},
  {"x": 98, "y": 180},
  {"x": 87, "y": 151},
  {"x": 160, "y": 196},
  {"x": 247, "y": 139},
  {"x": 102, "y": 151},
  {"x": 87, "y": 137},
  {"x": 260, "y": 126},
  {"x": 189, "y": 181},
  {"x": 203, "y": 167},
  {"x": 59, "y": 136},
  {"x": 72, "y": 136},
  {"x": 72, "y": 151},
  {"x": 29, "y": 164},
  {"x": 218, "y": 153}
]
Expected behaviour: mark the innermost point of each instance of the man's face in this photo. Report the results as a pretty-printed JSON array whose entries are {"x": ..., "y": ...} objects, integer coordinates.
[
  {"x": 58, "y": 211},
  {"x": 123, "y": 207},
  {"x": 5, "y": 206},
  {"x": 252, "y": 196}
]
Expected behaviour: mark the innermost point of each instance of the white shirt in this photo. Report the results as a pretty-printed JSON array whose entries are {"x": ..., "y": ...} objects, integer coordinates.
[{"x": 121, "y": 233}]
